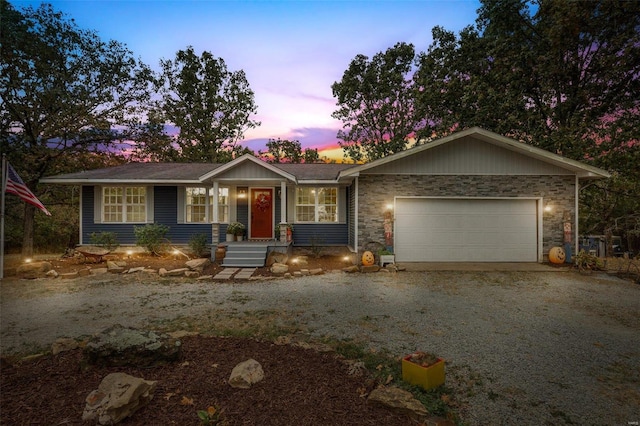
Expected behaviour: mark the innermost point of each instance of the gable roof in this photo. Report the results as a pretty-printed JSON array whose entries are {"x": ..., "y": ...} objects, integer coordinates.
[
  {"x": 580, "y": 169},
  {"x": 196, "y": 173}
]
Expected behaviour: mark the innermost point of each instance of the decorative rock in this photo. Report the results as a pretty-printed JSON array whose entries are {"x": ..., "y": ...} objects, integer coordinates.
[
  {"x": 288, "y": 275},
  {"x": 84, "y": 272},
  {"x": 136, "y": 269},
  {"x": 120, "y": 346},
  {"x": 398, "y": 400},
  {"x": 317, "y": 271},
  {"x": 279, "y": 268},
  {"x": 198, "y": 264},
  {"x": 63, "y": 344},
  {"x": 351, "y": 269},
  {"x": 297, "y": 274},
  {"x": 276, "y": 257},
  {"x": 204, "y": 277},
  {"x": 52, "y": 274},
  {"x": 115, "y": 267},
  {"x": 173, "y": 273},
  {"x": 69, "y": 275},
  {"x": 191, "y": 274},
  {"x": 118, "y": 396},
  {"x": 34, "y": 269},
  {"x": 246, "y": 374},
  {"x": 304, "y": 272},
  {"x": 370, "y": 268},
  {"x": 99, "y": 271}
]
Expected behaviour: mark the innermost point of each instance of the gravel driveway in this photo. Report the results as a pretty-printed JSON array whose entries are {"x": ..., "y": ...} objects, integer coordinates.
[{"x": 521, "y": 347}]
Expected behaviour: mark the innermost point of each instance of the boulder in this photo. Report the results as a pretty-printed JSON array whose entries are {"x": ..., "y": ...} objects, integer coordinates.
[
  {"x": 34, "y": 270},
  {"x": 246, "y": 374},
  {"x": 370, "y": 268},
  {"x": 198, "y": 264},
  {"x": 398, "y": 400},
  {"x": 276, "y": 257},
  {"x": 279, "y": 268},
  {"x": 118, "y": 396},
  {"x": 121, "y": 346}
]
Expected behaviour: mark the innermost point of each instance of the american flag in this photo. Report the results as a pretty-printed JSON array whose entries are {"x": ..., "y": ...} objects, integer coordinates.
[{"x": 16, "y": 186}]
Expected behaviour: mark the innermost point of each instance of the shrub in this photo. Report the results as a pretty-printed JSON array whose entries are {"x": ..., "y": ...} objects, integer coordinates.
[
  {"x": 108, "y": 240},
  {"x": 198, "y": 244},
  {"x": 151, "y": 237}
]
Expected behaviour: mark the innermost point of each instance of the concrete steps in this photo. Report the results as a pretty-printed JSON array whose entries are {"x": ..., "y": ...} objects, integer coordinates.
[{"x": 245, "y": 255}]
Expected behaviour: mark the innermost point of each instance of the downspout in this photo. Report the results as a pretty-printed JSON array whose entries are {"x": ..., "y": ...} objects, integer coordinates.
[{"x": 577, "y": 232}]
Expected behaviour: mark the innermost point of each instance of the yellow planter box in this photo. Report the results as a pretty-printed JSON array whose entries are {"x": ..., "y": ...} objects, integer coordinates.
[{"x": 427, "y": 377}]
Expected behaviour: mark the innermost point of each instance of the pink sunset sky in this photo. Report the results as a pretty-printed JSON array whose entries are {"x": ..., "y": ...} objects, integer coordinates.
[{"x": 291, "y": 51}]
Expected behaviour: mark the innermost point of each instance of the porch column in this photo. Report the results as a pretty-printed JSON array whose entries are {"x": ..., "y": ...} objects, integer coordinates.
[
  {"x": 216, "y": 190},
  {"x": 215, "y": 220},
  {"x": 283, "y": 202}
]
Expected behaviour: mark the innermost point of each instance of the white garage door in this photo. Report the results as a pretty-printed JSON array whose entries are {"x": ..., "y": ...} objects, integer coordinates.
[{"x": 465, "y": 230}]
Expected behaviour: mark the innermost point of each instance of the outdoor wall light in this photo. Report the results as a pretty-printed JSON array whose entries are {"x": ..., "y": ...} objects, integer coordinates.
[
  {"x": 548, "y": 208},
  {"x": 28, "y": 260},
  {"x": 389, "y": 206},
  {"x": 242, "y": 192}
]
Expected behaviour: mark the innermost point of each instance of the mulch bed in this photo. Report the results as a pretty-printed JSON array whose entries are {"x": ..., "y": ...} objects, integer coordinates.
[{"x": 301, "y": 387}]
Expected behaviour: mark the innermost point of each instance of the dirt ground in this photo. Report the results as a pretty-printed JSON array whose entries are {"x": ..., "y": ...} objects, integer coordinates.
[
  {"x": 303, "y": 386},
  {"x": 329, "y": 259}
]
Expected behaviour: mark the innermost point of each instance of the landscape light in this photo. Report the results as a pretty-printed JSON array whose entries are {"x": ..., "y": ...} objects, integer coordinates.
[{"x": 28, "y": 260}]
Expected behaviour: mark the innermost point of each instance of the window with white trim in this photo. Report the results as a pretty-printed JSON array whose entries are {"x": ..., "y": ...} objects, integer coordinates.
[
  {"x": 316, "y": 204},
  {"x": 124, "y": 204},
  {"x": 199, "y": 205},
  {"x": 196, "y": 205},
  {"x": 223, "y": 204}
]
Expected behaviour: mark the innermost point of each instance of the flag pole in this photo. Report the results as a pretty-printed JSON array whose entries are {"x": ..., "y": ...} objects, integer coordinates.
[{"x": 4, "y": 185}]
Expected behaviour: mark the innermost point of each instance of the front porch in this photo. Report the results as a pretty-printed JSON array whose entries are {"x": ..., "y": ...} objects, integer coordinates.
[{"x": 251, "y": 253}]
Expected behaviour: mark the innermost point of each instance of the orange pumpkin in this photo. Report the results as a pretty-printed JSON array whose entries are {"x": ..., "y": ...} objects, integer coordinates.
[
  {"x": 557, "y": 255},
  {"x": 367, "y": 258}
]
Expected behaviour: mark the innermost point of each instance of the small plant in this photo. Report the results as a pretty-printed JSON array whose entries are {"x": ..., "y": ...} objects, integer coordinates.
[
  {"x": 236, "y": 228},
  {"x": 198, "y": 244},
  {"x": 586, "y": 262},
  {"x": 384, "y": 252},
  {"x": 152, "y": 237},
  {"x": 286, "y": 225},
  {"x": 108, "y": 240},
  {"x": 210, "y": 416},
  {"x": 316, "y": 245}
]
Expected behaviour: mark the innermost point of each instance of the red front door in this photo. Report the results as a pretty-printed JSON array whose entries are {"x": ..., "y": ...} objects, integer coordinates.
[{"x": 261, "y": 209}]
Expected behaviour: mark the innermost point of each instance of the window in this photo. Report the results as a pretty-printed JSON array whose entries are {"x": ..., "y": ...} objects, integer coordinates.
[
  {"x": 196, "y": 201},
  {"x": 316, "y": 204},
  {"x": 199, "y": 202},
  {"x": 124, "y": 204},
  {"x": 223, "y": 204}
]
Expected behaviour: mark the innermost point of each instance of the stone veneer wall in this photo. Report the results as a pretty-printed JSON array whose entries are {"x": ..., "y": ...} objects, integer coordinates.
[{"x": 376, "y": 191}]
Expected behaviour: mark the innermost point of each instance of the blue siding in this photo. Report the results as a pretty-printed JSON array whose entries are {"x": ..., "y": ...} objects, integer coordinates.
[
  {"x": 326, "y": 234},
  {"x": 165, "y": 212}
]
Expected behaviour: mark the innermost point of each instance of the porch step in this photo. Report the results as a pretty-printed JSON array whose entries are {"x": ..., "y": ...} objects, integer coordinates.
[{"x": 245, "y": 256}]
